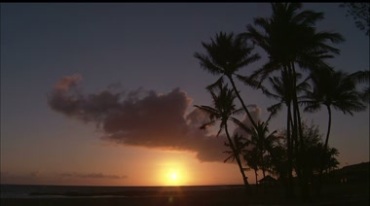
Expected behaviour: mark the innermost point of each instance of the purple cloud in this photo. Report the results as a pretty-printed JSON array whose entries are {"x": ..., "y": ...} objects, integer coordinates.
[{"x": 140, "y": 118}]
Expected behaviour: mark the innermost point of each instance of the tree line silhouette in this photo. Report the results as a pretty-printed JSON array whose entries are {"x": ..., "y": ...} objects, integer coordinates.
[{"x": 298, "y": 77}]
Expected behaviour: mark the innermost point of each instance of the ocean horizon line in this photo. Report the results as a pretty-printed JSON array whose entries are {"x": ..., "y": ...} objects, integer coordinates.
[
  {"x": 55, "y": 191},
  {"x": 86, "y": 185}
]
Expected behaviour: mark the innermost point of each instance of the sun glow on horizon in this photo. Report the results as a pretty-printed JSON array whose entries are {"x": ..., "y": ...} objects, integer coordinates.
[
  {"x": 173, "y": 174},
  {"x": 174, "y": 177}
]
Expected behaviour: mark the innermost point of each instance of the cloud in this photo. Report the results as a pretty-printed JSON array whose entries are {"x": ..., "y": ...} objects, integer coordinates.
[
  {"x": 21, "y": 178},
  {"x": 92, "y": 176},
  {"x": 29, "y": 175},
  {"x": 140, "y": 118},
  {"x": 37, "y": 177}
]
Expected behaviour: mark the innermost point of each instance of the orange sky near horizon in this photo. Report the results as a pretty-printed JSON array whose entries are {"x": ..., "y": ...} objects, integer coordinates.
[{"x": 153, "y": 168}]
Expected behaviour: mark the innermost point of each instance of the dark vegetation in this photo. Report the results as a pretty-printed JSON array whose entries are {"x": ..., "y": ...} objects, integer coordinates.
[{"x": 299, "y": 78}]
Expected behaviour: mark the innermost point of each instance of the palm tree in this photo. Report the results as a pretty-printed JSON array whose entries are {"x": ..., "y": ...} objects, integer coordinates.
[
  {"x": 226, "y": 55},
  {"x": 363, "y": 77},
  {"x": 261, "y": 144},
  {"x": 262, "y": 141},
  {"x": 239, "y": 144},
  {"x": 282, "y": 90},
  {"x": 252, "y": 159},
  {"x": 332, "y": 89},
  {"x": 222, "y": 110},
  {"x": 289, "y": 38}
]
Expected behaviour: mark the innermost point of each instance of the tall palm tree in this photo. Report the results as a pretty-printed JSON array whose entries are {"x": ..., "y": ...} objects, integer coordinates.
[
  {"x": 226, "y": 55},
  {"x": 290, "y": 39},
  {"x": 282, "y": 90},
  {"x": 332, "y": 89},
  {"x": 223, "y": 109}
]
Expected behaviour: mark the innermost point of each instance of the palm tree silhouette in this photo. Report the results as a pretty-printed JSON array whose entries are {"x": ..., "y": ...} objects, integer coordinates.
[
  {"x": 332, "y": 89},
  {"x": 261, "y": 140},
  {"x": 282, "y": 90},
  {"x": 222, "y": 110},
  {"x": 252, "y": 158},
  {"x": 290, "y": 39},
  {"x": 226, "y": 55}
]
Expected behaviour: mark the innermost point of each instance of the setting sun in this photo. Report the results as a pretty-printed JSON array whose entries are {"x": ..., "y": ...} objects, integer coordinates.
[
  {"x": 173, "y": 174},
  {"x": 174, "y": 178}
]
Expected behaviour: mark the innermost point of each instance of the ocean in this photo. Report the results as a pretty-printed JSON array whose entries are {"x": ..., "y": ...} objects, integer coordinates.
[
  {"x": 43, "y": 195},
  {"x": 48, "y": 191}
]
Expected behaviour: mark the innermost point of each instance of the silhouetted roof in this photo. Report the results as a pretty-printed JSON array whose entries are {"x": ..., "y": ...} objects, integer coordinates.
[
  {"x": 268, "y": 178},
  {"x": 357, "y": 167}
]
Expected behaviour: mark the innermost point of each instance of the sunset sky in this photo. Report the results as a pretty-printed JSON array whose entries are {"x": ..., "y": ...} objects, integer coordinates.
[{"x": 137, "y": 60}]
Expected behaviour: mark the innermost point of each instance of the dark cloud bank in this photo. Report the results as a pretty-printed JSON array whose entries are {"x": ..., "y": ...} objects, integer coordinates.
[{"x": 140, "y": 118}]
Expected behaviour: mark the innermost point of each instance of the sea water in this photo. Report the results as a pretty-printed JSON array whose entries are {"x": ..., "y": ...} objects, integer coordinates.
[{"x": 43, "y": 191}]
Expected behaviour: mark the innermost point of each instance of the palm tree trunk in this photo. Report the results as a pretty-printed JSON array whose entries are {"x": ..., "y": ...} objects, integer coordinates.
[
  {"x": 296, "y": 144},
  {"x": 242, "y": 102},
  {"x": 325, "y": 148},
  {"x": 329, "y": 126},
  {"x": 300, "y": 132},
  {"x": 261, "y": 154},
  {"x": 290, "y": 190},
  {"x": 237, "y": 158},
  {"x": 301, "y": 170},
  {"x": 256, "y": 175},
  {"x": 290, "y": 156}
]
